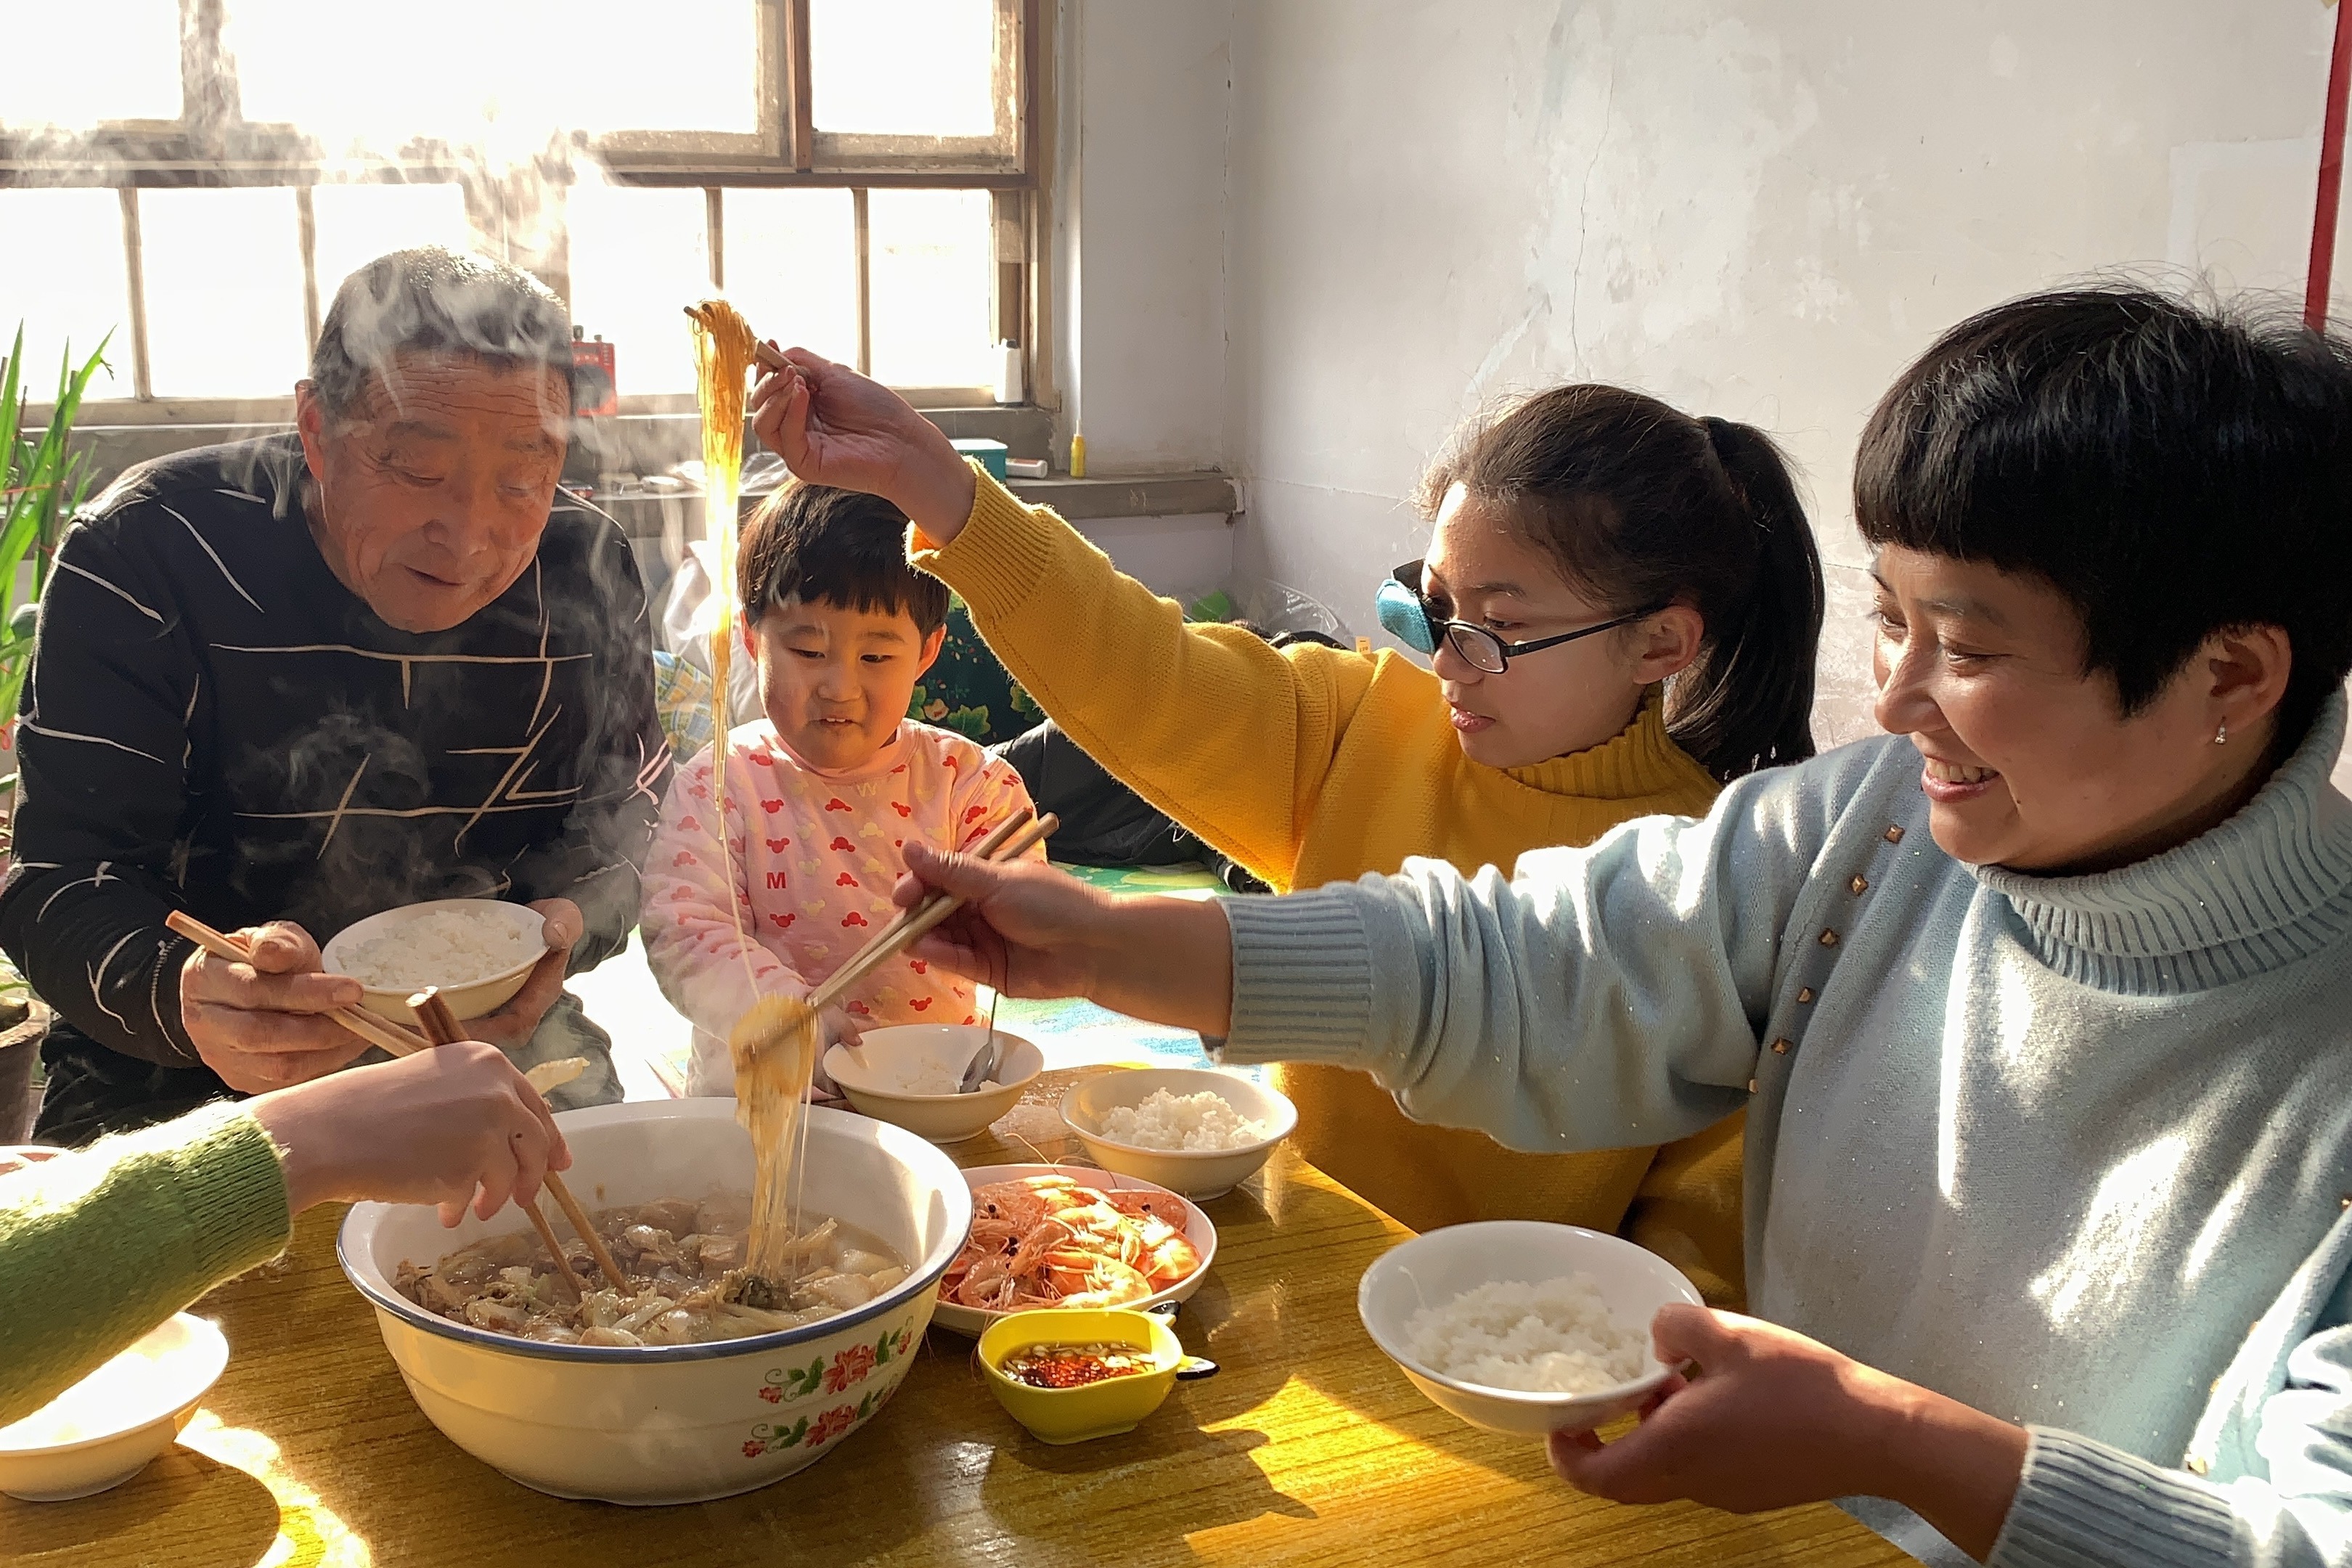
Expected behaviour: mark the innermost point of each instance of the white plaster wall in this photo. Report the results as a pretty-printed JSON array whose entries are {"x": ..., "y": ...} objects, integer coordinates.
[
  {"x": 1144, "y": 277},
  {"x": 1752, "y": 208},
  {"x": 1181, "y": 557}
]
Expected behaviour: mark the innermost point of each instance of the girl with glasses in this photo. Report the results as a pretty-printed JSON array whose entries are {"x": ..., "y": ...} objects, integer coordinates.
[{"x": 1625, "y": 600}]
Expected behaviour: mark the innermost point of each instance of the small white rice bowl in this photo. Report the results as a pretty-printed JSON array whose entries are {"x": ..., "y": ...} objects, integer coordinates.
[
  {"x": 441, "y": 947},
  {"x": 1554, "y": 1337},
  {"x": 1195, "y": 1114},
  {"x": 1522, "y": 1327},
  {"x": 104, "y": 1429},
  {"x": 1191, "y": 1121},
  {"x": 907, "y": 1074},
  {"x": 476, "y": 951}
]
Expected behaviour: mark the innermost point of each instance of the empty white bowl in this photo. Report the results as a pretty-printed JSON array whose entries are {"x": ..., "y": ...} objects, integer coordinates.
[
  {"x": 1196, "y": 1174},
  {"x": 1434, "y": 1269},
  {"x": 104, "y": 1429},
  {"x": 674, "y": 1424},
  {"x": 893, "y": 1054},
  {"x": 468, "y": 997}
]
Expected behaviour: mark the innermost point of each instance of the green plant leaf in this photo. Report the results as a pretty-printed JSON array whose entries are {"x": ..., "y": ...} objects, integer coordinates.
[
  {"x": 12, "y": 409},
  {"x": 42, "y": 484}
]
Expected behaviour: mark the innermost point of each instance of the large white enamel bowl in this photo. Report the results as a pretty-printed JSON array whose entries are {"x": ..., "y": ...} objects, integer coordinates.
[
  {"x": 674, "y": 1424},
  {"x": 1435, "y": 1268}
]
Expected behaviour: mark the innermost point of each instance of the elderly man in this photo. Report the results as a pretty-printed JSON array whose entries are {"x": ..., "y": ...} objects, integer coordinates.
[{"x": 286, "y": 683}]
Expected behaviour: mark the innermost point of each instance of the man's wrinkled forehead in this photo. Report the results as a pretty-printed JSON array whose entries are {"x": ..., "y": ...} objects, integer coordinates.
[{"x": 433, "y": 397}]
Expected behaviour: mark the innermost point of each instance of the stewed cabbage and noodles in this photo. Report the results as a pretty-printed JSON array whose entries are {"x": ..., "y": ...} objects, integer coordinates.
[{"x": 684, "y": 1261}]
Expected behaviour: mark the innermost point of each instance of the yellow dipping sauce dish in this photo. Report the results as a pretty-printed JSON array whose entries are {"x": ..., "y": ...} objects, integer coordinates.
[{"x": 1102, "y": 1409}]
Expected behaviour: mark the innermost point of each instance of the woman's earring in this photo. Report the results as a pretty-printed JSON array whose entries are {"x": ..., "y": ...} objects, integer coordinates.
[{"x": 2222, "y": 735}]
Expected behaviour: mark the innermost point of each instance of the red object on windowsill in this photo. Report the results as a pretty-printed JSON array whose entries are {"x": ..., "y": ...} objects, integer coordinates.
[
  {"x": 2331, "y": 174},
  {"x": 593, "y": 390}
]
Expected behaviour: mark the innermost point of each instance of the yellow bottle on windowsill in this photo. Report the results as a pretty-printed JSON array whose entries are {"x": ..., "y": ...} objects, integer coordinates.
[{"x": 1077, "y": 456}]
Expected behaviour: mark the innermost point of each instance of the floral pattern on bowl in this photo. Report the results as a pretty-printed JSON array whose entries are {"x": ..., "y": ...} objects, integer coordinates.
[{"x": 784, "y": 1384}]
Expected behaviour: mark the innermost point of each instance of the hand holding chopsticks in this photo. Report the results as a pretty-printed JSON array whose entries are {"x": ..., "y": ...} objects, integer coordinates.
[
  {"x": 441, "y": 1028},
  {"x": 376, "y": 1031},
  {"x": 1014, "y": 838}
]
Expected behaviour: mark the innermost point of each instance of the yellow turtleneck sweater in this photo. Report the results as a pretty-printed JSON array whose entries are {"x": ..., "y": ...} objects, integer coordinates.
[{"x": 1308, "y": 765}]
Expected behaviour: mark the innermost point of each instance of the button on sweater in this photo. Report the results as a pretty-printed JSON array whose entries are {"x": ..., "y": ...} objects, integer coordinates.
[{"x": 2048, "y": 1145}]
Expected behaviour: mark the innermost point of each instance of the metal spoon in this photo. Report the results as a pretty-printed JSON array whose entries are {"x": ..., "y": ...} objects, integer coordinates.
[{"x": 983, "y": 1063}]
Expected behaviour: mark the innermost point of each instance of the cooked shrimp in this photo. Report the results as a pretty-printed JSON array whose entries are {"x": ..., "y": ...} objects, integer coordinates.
[{"x": 1049, "y": 1240}]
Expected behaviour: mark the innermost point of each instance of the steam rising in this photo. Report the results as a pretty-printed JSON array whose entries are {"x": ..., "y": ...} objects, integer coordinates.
[{"x": 434, "y": 301}]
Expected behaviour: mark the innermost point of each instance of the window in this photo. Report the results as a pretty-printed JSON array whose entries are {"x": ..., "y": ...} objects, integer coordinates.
[{"x": 196, "y": 177}]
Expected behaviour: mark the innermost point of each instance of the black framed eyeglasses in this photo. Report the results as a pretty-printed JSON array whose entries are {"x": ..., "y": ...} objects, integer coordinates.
[{"x": 1479, "y": 647}]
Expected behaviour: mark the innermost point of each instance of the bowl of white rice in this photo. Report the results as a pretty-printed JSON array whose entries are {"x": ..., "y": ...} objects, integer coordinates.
[
  {"x": 1522, "y": 1327},
  {"x": 1191, "y": 1130},
  {"x": 479, "y": 951}
]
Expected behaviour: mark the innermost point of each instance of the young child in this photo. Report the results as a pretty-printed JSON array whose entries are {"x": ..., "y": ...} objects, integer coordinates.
[{"x": 831, "y": 785}]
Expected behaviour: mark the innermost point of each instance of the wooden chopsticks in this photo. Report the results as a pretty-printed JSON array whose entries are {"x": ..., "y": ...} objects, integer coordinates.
[
  {"x": 877, "y": 946},
  {"x": 1012, "y": 840},
  {"x": 380, "y": 1032},
  {"x": 441, "y": 1028},
  {"x": 760, "y": 350}
]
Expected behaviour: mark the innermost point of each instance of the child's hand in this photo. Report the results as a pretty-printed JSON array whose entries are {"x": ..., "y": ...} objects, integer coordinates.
[
  {"x": 840, "y": 1028},
  {"x": 832, "y": 426},
  {"x": 443, "y": 1126}
]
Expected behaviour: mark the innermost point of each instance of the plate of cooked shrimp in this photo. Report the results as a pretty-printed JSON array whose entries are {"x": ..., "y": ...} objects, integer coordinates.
[{"x": 1068, "y": 1235}]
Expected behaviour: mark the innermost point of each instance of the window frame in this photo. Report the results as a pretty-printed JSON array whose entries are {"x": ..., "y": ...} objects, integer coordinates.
[{"x": 786, "y": 151}]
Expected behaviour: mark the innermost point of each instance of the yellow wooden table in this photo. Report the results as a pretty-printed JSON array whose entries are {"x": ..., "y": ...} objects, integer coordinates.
[{"x": 1308, "y": 1447}]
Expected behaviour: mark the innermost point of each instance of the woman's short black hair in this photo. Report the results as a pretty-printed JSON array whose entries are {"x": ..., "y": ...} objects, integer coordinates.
[
  {"x": 843, "y": 547},
  {"x": 2172, "y": 469}
]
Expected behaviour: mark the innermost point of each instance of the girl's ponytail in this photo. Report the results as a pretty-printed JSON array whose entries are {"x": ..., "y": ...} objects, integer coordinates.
[
  {"x": 1645, "y": 505},
  {"x": 1747, "y": 701}
]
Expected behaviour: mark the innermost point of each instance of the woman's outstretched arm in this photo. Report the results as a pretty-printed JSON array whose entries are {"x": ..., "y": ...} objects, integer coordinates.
[{"x": 1228, "y": 736}]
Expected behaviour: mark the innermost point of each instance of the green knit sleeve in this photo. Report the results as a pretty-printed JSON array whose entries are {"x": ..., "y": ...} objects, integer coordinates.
[{"x": 99, "y": 1247}]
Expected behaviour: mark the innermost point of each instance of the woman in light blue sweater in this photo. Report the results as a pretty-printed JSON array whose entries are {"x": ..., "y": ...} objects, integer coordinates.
[{"x": 2041, "y": 1007}]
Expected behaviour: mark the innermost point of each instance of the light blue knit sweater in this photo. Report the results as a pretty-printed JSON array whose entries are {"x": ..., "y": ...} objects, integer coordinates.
[{"x": 2047, "y": 1145}]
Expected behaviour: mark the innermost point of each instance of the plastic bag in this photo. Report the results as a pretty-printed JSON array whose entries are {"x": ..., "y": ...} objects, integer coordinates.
[
  {"x": 688, "y": 613},
  {"x": 1275, "y": 608}
]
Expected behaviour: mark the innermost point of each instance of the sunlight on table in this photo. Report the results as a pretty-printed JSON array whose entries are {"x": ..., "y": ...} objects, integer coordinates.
[{"x": 310, "y": 1535}]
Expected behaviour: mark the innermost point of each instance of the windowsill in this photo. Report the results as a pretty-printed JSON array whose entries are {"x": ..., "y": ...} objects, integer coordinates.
[
  {"x": 1191, "y": 494},
  {"x": 652, "y": 442},
  {"x": 627, "y": 443}
]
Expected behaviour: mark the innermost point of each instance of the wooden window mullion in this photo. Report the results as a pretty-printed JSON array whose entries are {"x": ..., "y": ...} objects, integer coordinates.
[
  {"x": 798, "y": 97},
  {"x": 306, "y": 212},
  {"x": 861, "y": 227},
  {"x": 143, "y": 381}
]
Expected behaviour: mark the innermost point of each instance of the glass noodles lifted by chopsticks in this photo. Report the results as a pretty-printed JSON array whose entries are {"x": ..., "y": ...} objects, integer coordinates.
[
  {"x": 774, "y": 1045},
  {"x": 774, "y": 1048}
]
